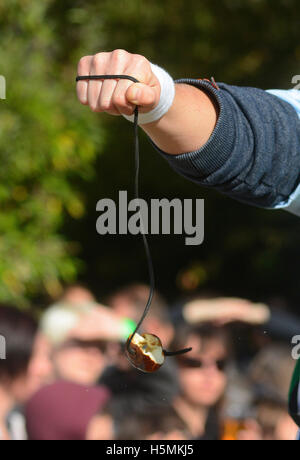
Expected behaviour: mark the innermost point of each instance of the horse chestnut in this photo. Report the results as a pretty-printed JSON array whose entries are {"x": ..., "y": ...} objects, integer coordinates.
[{"x": 145, "y": 352}]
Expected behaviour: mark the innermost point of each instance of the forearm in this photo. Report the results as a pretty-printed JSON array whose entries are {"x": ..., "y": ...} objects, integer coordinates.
[
  {"x": 253, "y": 152},
  {"x": 241, "y": 141},
  {"x": 189, "y": 123}
]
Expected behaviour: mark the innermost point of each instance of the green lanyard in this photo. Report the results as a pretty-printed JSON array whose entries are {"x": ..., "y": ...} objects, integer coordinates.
[{"x": 294, "y": 397}]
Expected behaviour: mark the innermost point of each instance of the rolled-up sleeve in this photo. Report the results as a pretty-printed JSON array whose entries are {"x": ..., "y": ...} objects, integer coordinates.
[{"x": 253, "y": 154}]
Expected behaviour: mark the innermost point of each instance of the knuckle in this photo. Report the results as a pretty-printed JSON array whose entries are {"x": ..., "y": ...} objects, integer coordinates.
[
  {"x": 97, "y": 60},
  {"x": 119, "y": 54},
  {"x": 149, "y": 98},
  {"x": 139, "y": 59},
  {"x": 81, "y": 64}
]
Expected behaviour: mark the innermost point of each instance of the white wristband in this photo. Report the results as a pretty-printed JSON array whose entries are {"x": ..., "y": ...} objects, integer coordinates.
[{"x": 167, "y": 95}]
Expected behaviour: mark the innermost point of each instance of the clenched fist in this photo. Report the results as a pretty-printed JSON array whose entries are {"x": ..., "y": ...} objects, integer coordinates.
[{"x": 118, "y": 97}]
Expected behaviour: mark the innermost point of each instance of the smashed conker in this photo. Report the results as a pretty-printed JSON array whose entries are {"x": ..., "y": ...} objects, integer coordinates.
[{"x": 145, "y": 352}]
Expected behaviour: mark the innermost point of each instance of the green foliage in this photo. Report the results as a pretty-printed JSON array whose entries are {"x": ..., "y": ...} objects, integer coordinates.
[
  {"x": 52, "y": 173},
  {"x": 46, "y": 143}
]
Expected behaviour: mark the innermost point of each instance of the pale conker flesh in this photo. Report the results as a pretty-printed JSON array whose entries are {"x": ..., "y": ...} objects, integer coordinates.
[{"x": 145, "y": 352}]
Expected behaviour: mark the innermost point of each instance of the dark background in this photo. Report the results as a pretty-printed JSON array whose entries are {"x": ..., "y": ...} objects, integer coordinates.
[{"x": 247, "y": 252}]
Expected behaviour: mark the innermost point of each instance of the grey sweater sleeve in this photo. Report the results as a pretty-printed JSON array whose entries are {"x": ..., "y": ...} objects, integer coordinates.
[{"x": 253, "y": 155}]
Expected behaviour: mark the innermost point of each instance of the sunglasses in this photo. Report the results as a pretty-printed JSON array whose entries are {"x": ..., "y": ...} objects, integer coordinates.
[
  {"x": 99, "y": 344},
  {"x": 191, "y": 363}
]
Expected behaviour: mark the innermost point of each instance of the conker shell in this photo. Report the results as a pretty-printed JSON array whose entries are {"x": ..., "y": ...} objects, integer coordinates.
[{"x": 145, "y": 352}]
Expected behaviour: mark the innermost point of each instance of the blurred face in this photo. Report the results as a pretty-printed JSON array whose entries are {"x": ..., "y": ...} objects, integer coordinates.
[
  {"x": 100, "y": 428},
  {"x": 39, "y": 372},
  {"x": 81, "y": 364},
  {"x": 124, "y": 308},
  {"x": 78, "y": 295},
  {"x": 286, "y": 429},
  {"x": 201, "y": 371}
]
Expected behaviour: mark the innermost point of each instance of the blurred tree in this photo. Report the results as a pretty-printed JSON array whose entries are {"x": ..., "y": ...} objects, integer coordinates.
[{"x": 45, "y": 144}]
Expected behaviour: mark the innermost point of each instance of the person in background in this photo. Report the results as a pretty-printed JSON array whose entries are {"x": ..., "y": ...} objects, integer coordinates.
[
  {"x": 157, "y": 424},
  {"x": 135, "y": 392},
  {"x": 130, "y": 302},
  {"x": 270, "y": 374},
  {"x": 77, "y": 294},
  {"x": 240, "y": 418},
  {"x": 80, "y": 333},
  {"x": 26, "y": 368},
  {"x": 66, "y": 411},
  {"x": 277, "y": 323},
  {"x": 202, "y": 378}
]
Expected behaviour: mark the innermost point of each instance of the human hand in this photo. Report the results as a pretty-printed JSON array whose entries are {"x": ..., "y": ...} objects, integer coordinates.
[
  {"x": 251, "y": 431},
  {"x": 118, "y": 97},
  {"x": 226, "y": 310},
  {"x": 100, "y": 324}
]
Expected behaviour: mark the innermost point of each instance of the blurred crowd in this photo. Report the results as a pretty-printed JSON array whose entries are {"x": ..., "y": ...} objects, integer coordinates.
[{"x": 66, "y": 377}]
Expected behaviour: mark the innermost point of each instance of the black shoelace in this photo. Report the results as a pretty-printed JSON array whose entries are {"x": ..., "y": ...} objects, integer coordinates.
[{"x": 146, "y": 245}]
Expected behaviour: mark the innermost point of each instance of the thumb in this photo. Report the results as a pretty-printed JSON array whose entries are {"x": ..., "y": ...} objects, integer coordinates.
[{"x": 143, "y": 95}]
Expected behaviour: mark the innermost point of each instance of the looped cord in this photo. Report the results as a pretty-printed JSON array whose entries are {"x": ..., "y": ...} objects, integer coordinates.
[{"x": 136, "y": 187}]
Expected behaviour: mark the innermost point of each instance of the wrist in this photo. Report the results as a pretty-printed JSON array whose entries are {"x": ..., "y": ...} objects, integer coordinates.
[
  {"x": 167, "y": 94},
  {"x": 188, "y": 124}
]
